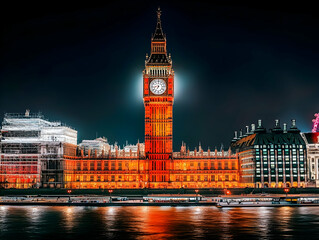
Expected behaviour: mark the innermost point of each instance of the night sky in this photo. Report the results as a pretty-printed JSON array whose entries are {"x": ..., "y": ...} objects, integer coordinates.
[{"x": 234, "y": 64}]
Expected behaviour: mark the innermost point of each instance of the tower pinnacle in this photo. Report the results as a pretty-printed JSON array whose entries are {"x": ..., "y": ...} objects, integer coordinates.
[
  {"x": 158, "y": 36},
  {"x": 159, "y": 14}
]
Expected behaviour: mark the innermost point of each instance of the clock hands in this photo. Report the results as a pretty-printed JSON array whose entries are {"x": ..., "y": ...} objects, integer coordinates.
[{"x": 158, "y": 86}]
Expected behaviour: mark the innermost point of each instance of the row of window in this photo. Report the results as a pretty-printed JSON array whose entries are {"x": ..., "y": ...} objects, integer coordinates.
[
  {"x": 185, "y": 178},
  {"x": 294, "y": 146}
]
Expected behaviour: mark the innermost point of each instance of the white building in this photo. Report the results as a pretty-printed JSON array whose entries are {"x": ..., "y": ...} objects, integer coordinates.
[
  {"x": 32, "y": 149},
  {"x": 312, "y": 141},
  {"x": 98, "y": 146}
]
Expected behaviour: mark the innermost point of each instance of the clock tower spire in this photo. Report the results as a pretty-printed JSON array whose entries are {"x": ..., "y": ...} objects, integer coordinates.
[{"x": 158, "y": 95}]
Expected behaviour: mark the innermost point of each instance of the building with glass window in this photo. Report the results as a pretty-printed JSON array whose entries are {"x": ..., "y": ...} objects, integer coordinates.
[{"x": 275, "y": 158}]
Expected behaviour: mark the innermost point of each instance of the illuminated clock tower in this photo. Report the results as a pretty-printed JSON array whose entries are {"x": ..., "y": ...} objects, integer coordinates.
[{"x": 158, "y": 93}]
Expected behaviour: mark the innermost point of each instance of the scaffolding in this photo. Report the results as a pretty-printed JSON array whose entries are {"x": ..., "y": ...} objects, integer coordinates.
[{"x": 32, "y": 147}]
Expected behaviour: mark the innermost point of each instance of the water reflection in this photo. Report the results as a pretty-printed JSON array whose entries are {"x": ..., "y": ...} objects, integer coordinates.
[
  {"x": 71, "y": 214},
  {"x": 156, "y": 222},
  {"x": 34, "y": 213}
]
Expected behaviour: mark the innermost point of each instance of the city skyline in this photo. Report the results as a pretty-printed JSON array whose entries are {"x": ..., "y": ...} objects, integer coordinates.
[
  {"x": 72, "y": 80},
  {"x": 159, "y": 119}
]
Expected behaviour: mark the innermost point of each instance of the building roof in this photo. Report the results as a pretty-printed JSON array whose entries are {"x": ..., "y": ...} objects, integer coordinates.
[
  {"x": 158, "y": 58},
  {"x": 279, "y": 138},
  {"x": 266, "y": 138},
  {"x": 311, "y": 138}
]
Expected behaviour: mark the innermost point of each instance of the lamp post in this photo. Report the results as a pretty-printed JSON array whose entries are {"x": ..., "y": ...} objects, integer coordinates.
[
  {"x": 110, "y": 191},
  {"x": 69, "y": 192},
  {"x": 286, "y": 190},
  {"x": 196, "y": 191}
]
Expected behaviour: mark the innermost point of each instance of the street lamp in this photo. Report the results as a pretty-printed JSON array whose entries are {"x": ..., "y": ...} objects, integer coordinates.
[
  {"x": 196, "y": 191},
  {"x": 69, "y": 192},
  {"x": 228, "y": 192},
  {"x": 286, "y": 190},
  {"x": 110, "y": 191}
]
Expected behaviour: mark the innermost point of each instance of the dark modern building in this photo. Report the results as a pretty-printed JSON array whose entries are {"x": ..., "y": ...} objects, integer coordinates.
[{"x": 274, "y": 158}]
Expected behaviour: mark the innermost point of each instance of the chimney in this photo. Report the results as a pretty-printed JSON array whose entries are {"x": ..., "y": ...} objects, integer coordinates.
[
  {"x": 294, "y": 128},
  {"x": 236, "y": 135},
  {"x": 259, "y": 123},
  {"x": 241, "y": 133},
  {"x": 277, "y": 123},
  {"x": 285, "y": 127},
  {"x": 293, "y": 123},
  {"x": 247, "y": 130},
  {"x": 27, "y": 113},
  {"x": 253, "y": 127}
]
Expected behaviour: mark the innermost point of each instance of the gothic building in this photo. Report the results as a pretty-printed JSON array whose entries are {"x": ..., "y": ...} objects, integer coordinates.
[{"x": 157, "y": 166}]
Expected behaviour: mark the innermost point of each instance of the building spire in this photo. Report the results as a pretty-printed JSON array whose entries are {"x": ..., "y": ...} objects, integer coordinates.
[
  {"x": 159, "y": 14},
  {"x": 158, "y": 35}
]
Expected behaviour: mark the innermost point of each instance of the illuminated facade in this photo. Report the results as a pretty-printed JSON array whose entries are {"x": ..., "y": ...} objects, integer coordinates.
[
  {"x": 158, "y": 88},
  {"x": 95, "y": 164},
  {"x": 188, "y": 169}
]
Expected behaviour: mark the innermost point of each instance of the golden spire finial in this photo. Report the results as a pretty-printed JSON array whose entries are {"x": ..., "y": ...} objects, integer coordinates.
[{"x": 159, "y": 14}]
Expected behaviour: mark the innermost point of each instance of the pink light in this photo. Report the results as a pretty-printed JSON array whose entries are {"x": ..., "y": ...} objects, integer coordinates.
[{"x": 315, "y": 123}]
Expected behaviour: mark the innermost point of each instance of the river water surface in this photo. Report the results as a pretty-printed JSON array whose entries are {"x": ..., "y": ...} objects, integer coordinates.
[{"x": 38, "y": 222}]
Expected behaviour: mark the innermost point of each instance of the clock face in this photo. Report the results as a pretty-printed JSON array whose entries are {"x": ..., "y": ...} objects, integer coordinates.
[{"x": 158, "y": 86}]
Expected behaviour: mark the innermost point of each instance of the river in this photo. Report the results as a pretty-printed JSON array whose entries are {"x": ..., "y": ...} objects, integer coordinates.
[{"x": 35, "y": 222}]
